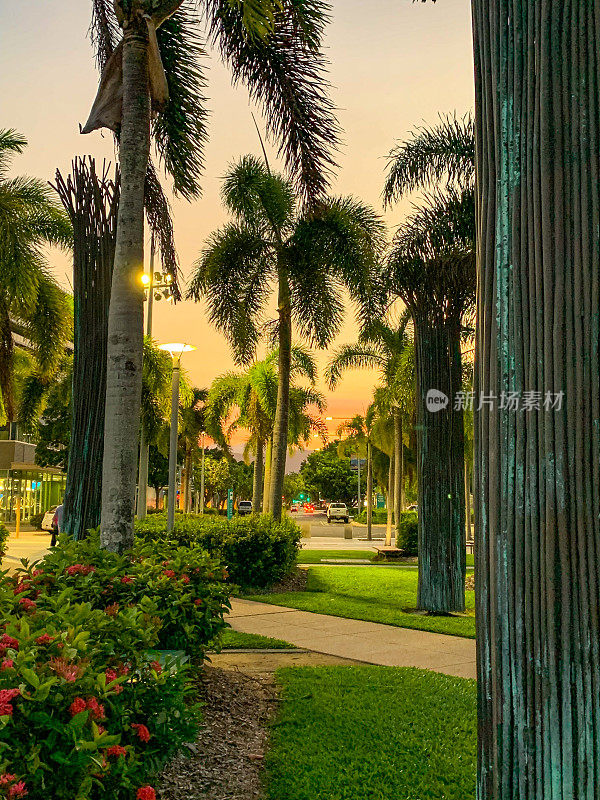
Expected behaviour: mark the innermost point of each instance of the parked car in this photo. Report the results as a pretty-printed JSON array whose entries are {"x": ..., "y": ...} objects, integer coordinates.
[
  {"x": 47, "y": 519},
  {"x": 295, "y": 508},
  {"x": 338, "y": 511},
  {"x": 244, "y": 507},
  {"x": 413, "y": 507}
]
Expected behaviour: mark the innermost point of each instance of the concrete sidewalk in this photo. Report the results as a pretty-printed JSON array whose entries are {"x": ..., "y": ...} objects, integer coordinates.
[{"x": 369, "y": 642}]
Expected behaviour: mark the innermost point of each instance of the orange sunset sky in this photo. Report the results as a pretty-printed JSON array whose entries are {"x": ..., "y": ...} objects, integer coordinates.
[{"x": 394, "y": 64}]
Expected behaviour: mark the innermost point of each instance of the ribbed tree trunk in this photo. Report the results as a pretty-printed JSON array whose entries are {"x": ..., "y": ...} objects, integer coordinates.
[
  {"x": 398, "y": 468},
  {"x": 267, "y": 476},
  {"x": 441, "y": 460},
  {"x": 369, "y": 491},
  {"x": 280, "y": 428},
  {"x": 537, "y": 479},
  {"x": 125, "y": 323},
  {"x": 391, "y": 500},
  {"x": 467, "y": 502},
  {"x": 258, "y": 475},
  {"x": 187, "y": 477},
  {"x": 91, "y": 202}
]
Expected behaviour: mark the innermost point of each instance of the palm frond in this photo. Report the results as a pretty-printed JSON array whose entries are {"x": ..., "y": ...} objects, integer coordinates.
[
  {"x": 232, "y": 274},
  {"x": 11, "y": 143},
  {"x": 104, "y": 31},
  {"x": 180, "y": 129},
  {"x": 432, "y": 155},
  {"x": 352, "y": 356},
  {"x": 49, "y": 326},
  {"x": 285, "y": 72}
]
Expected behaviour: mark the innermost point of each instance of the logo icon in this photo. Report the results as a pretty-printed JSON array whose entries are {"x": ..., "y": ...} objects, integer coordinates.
[{"x": 435, "y": 400}]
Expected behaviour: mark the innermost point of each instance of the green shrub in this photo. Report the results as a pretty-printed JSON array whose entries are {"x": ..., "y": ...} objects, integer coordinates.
[
  {"x": 84, "y": 712},
  {"x": 379, "y": 517},
  {"x": 36, "y": 520},
  {"x": 407, "y": 538},
  {"x": 4, "y": 534},
  {"x": 185, "y": 584},
  {"x": 257, "y": 550}
]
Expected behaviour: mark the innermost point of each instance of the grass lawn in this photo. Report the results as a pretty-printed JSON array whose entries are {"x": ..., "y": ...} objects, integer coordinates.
[
  {"x": 384, "y": 595},
  {"x": 376, "y": 733},
  {"x": 231, "y": 639},
  {"x": 315, "y": 556}
]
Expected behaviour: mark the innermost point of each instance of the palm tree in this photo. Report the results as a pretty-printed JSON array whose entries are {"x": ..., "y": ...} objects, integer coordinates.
[
  {"x": 537, "y": 473},
  {"x": 193, "y": 423},
  {"x": 273, "y": 47},
  {"x": 307, "y": 256},
  {"x": 30, "y": 300},
  {"x": 382, "y": 346},
  {"x": 254, "y": 393},
  {"x": 432, "y": 269}
]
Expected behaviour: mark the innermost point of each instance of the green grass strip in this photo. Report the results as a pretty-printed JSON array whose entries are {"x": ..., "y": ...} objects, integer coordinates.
[
  {"x": 376, "y": 733},
  {"x": 385, "y": 594},
  {"x": 237, "y": 640}
]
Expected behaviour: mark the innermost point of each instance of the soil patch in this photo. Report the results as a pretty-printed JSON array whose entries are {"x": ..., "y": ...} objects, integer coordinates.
[
  {"x": 264, "y": 664},
  {"x": 295, "y": 582}
]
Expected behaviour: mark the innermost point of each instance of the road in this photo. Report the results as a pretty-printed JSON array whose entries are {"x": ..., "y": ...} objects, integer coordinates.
[{"x": 320, "y": 528}]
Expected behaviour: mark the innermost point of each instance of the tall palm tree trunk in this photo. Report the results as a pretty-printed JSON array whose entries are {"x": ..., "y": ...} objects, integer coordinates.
[
  {"x": 369, "y": 491},
  {"x": 537, "y": 471},
  {"x": 187, "y": 477},
  {"x": 125, "y": 323},
  {"x": 258, "y": 474},
  {"x": 267, "y": 476},
  {"x": 467, "y": 502},
  {"x": 441, "y": 459},
  {"x": 6, "y": 361},
  {"x": 390, "y": 504},
  {"x": 398, "y": 468},
  {"x": 280, "y": 428}
]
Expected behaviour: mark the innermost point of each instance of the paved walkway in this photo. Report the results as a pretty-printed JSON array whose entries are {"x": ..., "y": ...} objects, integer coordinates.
[
  {"x": 369, "y": 642},
  {"x": 29, "y": 544}
]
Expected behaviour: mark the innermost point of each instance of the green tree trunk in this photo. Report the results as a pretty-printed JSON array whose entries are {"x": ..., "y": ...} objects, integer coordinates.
[
  {"x": 398, "y": 468},
  {"x": 267, "y": 476},
  {"x": 91, "y": 202},
  {"x": 125, "y": 323},
  {"x": 369, "y": 491},
  {"x": 280, "y": 428},
  {"x": 441, "y": 459},
  {"x": 537, "y": 471},
  {"x": 258, "y": 475}
]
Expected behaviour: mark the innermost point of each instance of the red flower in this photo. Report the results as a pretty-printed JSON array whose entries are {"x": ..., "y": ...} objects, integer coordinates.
[
  {"x": 17, "y": 790},
  {"x": 6, "y": 778},
  {"x": 80, "y": 569},
  {"x": 6, "y": 642},
  {"x": 21, "y": 587},
  {"x": 145, "y": 793},
  {"x": 96, "y": 708},
  {"x": 185, "y": 578},
  {"x": 8, "y": 663},
  {"x": 77, "y": 706},
  {"x": 198, "y": 602},
  {"x": 112, "y": 675},
  {"x": 169, "y": 573},
  {"x": 6, "y": 710},
  {"x": 112, "y": 610},
  {"x": 225, "y": 574},
  {"x": 27, "y": 604},
  {"x": 8, "y": 695},
  {"x": 45, "y": 638},
  {"x": 126, "y": 579},
  {"x": 116, "y": 750},
  {"x": 156, "y": 666},
  {"x": 142, "y": 731},
  {"x": 66, "y": 669}
]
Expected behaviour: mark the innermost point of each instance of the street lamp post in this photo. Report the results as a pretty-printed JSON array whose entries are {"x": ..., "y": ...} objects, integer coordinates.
[
  {"x": 155, "y": 286},
  {"x": 176, "y": 350}
]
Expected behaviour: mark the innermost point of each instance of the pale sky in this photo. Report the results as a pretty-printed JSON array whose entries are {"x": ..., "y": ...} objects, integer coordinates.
[{"x": 394, "y": 64}]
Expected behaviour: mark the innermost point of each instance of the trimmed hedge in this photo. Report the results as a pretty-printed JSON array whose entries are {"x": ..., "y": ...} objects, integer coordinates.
[
  {"x": 407, "y": 538},
  {"x": 257, "y": 550},
  {"x": 4, "y": 534}
]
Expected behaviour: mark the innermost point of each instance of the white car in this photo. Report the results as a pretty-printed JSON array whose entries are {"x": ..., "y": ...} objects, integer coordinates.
[
  {"x": 244, "y": 507},
  {"x": 338, "y": 511},
  {"x": 47, "y": 519}
]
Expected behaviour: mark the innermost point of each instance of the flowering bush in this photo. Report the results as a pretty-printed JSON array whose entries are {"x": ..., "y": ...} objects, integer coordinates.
[
  {"x": 185, "y": 585},
  {"x": 257, "y": 550},
  {"x": 84, "y": 713}
]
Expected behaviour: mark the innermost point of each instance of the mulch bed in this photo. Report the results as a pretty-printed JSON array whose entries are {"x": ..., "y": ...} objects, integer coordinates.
[
  {"x": 295, "y": 582},
  {"x": 225, "y": 762}
]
